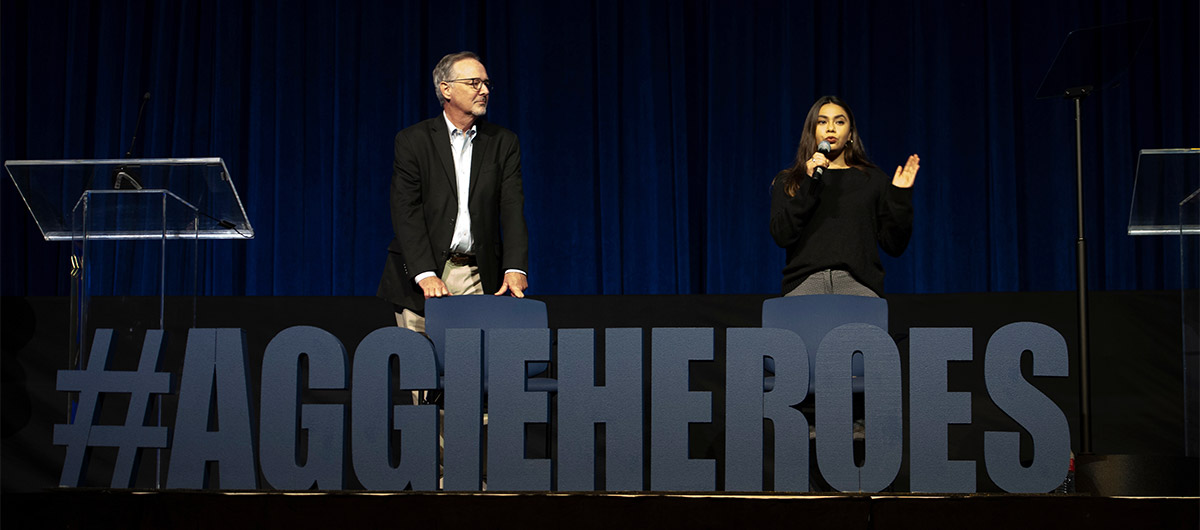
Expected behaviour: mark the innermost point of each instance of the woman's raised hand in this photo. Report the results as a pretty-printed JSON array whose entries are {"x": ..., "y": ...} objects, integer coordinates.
[{"x": 905, "y": 176}]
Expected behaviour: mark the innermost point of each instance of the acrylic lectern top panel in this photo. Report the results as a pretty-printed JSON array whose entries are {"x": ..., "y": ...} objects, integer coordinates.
[
  {"x": 54, "y": 189},
  {"x": 1166, "y": 180}
]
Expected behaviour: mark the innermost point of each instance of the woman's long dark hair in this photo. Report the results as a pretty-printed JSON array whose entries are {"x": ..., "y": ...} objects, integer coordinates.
[{"x": 855, "y": 153}]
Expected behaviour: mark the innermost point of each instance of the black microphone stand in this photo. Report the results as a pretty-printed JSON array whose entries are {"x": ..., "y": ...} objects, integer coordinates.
[{"x": 126, "y": 175}]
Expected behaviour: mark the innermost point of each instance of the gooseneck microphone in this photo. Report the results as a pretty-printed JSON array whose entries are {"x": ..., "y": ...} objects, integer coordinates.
[
  {"x": 127, "y": 175},
  {"x": 824, "y": 149},
  {"x": 138, "y": 126}
]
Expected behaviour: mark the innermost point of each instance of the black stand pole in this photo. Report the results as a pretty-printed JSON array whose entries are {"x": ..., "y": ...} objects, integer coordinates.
[
  {"x": 1090, "y": 60},
  {"x": 1085, "y": 391}
]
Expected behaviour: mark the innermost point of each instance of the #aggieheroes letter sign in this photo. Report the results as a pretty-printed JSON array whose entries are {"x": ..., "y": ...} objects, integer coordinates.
[{"x": 394, "y": 447}]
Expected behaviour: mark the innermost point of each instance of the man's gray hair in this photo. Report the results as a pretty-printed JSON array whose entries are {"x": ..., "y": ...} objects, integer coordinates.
[{"x": 445, "y": 68}]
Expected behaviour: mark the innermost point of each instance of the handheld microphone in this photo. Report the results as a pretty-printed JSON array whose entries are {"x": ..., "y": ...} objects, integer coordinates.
[{"x": 824, "y": 149}]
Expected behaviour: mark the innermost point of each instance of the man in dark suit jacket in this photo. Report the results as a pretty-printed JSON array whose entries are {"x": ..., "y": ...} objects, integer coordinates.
[{"x": 456, "y": 186}]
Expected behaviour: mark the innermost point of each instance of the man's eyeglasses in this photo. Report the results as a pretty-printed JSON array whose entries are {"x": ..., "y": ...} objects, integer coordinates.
[{"x": 473, "y": 82}]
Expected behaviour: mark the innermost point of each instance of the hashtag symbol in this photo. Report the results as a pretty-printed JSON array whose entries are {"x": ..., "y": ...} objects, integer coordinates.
[{"x": 82, "y": 434}]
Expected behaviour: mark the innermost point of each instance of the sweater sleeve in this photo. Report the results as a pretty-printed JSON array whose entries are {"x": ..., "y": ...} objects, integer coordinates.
[
  {"x": 895, "y": 218},
  {"x": 789, "y": 215}
]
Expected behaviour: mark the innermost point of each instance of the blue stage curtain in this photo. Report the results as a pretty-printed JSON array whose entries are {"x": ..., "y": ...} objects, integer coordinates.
[{"x": 650, "y": 131}]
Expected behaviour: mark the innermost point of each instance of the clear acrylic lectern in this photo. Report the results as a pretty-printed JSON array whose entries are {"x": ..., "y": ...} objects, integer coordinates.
[
  {"x": 98, "y": 205},
  {"x": 1166, "y": 201}
]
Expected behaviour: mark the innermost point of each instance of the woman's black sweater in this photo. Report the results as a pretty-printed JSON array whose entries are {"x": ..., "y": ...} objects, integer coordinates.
[{"x": 840, "y": 222}]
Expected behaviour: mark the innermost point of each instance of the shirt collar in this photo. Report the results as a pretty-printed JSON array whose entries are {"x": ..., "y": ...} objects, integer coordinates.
[{"x": 454, "y": 130}]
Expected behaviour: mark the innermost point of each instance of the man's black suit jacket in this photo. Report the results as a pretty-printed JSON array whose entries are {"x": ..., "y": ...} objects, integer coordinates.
[{"x": 424, "y": 203}]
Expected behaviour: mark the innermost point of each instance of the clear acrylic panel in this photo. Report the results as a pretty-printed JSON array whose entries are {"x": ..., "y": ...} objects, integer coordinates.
[
  {"x": 1164, "y": 178},
  {"x": 52, "y": 190},
  {"x": 1092, "y": 59}
]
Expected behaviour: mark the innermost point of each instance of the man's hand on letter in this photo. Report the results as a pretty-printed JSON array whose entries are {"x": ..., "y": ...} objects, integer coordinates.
[
  {"x": 514, "y": 282},
  {"x": 434, "y": 287}
]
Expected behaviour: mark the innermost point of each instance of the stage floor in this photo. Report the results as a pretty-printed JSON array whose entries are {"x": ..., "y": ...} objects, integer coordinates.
[{"x": 103, "y": 508}]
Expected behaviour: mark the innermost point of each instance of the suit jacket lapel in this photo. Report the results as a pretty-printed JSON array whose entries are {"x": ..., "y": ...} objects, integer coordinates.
[
  {"x": 478, "y": 152},
  {"x": 440, "y": 137}
]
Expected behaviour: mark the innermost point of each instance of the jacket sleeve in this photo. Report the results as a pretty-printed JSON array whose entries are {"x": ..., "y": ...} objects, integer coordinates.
[
  {"x": 408, "y": 219},
  {"x": 790, "y": 215},
  {"x": 515, "y": 235},
  {"x": 894, "y": 219}
]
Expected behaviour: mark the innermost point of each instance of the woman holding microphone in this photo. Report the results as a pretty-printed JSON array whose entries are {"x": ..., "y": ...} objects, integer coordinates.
[{"x": 833, "y": 209}]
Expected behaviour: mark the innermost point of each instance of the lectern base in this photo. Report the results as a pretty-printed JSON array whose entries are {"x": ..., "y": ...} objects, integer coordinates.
[{"x": 1137, "y": 475}]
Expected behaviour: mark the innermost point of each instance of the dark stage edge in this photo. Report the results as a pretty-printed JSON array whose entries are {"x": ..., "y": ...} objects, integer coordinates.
[{"x": 105, "y": 508}]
